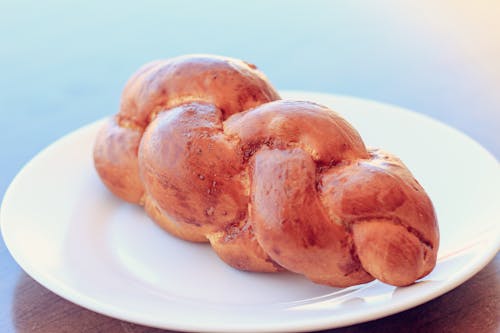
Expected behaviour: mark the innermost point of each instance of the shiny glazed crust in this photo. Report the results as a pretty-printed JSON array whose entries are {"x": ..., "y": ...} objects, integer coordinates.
[{"x": 213, "y": 154}]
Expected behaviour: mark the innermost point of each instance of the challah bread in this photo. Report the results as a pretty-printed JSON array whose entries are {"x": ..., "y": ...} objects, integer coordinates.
[{"x": 213, "y": 154}]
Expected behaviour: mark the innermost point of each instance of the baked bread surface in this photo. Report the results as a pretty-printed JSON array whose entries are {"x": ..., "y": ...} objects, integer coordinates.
[{"x": 213, "y": 154}]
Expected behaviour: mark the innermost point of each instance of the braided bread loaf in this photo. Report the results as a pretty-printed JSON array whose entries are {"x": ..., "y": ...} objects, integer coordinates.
[{"x": 208, "y": 147}]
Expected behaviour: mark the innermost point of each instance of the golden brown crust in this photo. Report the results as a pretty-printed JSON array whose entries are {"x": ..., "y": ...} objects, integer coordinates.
[
  {"x": 230, "y": 84},
  {"x": 115, "y": 159},
  {"x": 389, "y": 252},
  {"x": 187, "y": 232},
  {"x": 326, "y": 136},
  {"x": 207, "y": 146},
  {"x": 381, "y": 190},
  {"x": 237, "y": 246},
  {"x": 191, "y": 170},
  {"x": 291, "y": 224}
]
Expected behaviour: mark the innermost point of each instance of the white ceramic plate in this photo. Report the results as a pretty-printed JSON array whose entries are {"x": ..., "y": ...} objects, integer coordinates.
[{"x": 71, "y": 235}]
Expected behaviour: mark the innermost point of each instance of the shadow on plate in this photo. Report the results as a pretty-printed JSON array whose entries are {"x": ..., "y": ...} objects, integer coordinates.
[{"x": 472, "y": 307}]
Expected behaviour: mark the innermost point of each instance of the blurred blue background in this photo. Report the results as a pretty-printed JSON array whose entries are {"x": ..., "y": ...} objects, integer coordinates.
[{"x": 63, "y": 64}]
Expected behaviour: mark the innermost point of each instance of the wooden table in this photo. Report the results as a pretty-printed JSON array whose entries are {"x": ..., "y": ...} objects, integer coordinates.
[{"x": 63, "y": 65}]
